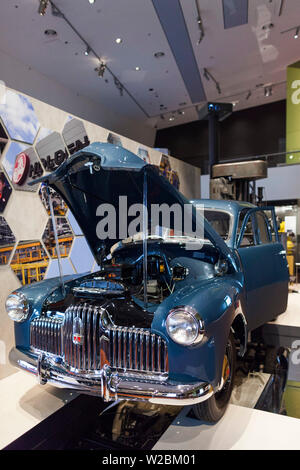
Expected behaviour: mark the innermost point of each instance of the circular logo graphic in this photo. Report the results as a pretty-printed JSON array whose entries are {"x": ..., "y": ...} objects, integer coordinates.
[{"x": 21, "y": 169}]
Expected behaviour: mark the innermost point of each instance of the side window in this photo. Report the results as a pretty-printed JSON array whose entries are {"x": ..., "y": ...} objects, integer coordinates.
[
  {"x": 242, "y": 216},
  {"x": 248, "y": 236},
  {"x": 262, "y": 228},
  {"x": 273, "y": 230}
]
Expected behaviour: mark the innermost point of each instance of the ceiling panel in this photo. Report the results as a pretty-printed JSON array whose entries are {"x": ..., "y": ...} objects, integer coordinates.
[{"x": 242, "y": 58}]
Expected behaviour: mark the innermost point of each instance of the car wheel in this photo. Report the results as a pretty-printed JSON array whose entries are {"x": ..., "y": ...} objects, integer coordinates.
[{"x": 214, "y": 408}]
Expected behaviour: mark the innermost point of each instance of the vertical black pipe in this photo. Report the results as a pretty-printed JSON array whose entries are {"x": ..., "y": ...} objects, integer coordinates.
[{"x": 213, "y": 141}]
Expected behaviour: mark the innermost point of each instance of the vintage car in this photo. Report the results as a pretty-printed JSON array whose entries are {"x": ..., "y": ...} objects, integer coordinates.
[{"x": 161, "y": 320}]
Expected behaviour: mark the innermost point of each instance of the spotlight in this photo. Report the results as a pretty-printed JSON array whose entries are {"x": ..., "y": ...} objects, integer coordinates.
[
  {"x": 43, "y": 7},
  {"x": 218, "y": 88},
  {"x": 137, "y": 69},
  {"x": 171, "y": 118},
  {"x": 92, "y": 2},
  {"x": 119, "y": 40},
  {"x": 101, "y": 69},
  {"x": 180, "y": 112},
  {"x": 296, "y": 35},
  {"x": 118, "y": 85},
  {"x": 268, "y": 91},
  {"x": 87, "y": 51},
  {"x": 248, "y": 94},
  {"x": 206, "y": 74}
]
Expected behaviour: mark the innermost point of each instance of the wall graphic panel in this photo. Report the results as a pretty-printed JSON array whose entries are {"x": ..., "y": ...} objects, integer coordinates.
[
  {"x": 28, "y": 151},
  {"x": 7, "y": 242},
  {"x": 30, "y": 261}
]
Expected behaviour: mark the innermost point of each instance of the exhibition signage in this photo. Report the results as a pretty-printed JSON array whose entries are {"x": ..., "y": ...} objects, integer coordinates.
[{"x": 293, "y": 114}]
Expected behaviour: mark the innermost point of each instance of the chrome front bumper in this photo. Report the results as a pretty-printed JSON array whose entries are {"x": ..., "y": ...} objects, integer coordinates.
[{"x": 111, "y": 385}]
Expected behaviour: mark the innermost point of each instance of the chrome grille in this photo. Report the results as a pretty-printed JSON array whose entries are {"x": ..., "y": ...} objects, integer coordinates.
[
  {"x": 123, "y": 348},
  {"x": 45, "y": 335},
  {"x": 137, "y": 349}
]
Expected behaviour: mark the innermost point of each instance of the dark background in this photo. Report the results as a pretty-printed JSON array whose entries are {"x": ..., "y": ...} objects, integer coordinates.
[{"x": 250, "y": 132}]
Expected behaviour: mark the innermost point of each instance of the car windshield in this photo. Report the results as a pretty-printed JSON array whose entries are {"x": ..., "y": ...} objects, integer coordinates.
[{"x": 219, "y": 220}]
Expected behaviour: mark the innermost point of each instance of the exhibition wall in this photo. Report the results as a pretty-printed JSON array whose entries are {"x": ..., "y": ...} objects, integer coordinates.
[
  {"x": 35, "y": 138},
  {"x": 26, "y": 79}
]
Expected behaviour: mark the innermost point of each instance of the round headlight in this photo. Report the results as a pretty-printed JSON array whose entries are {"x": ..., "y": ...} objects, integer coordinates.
[
  {"x": 185, "y": 326},
  {"x": 17, "y": 307}
]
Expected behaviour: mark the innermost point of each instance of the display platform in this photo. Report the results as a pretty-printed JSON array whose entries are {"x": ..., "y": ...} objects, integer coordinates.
[
  {"x": 34, "y": 416},
  {"x": 286, "y": 328},
  {"x": 24, "y": 404},
  {"x": 240, "y": 429}
]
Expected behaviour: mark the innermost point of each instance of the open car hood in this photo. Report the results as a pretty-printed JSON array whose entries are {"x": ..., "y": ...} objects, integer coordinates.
[{"x": 102, "y": 172}]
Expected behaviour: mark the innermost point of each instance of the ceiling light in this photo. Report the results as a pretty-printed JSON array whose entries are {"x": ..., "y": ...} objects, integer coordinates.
[
  {"x": 205, "y": 73},
  {"x": 50, "y": 32},
  {"x": 137, "y": 69},
  {"x": 87, "y": 51},
  {"x": 171, "y": 118},
  {"x": 296, "y": 35},
  {"x": 92, "y": 2},
  {"x": 101, "y": 69},
  {"x": 157, "y": 55},
  {"x": 119, "y": 40},
  {"x": 234, "y": 103},
  {"x": 43, "y": 7},
  {"x": 118, "y": 85},
  {"x": 268, "y": 91},
  {"x": 180, "y": 112}
]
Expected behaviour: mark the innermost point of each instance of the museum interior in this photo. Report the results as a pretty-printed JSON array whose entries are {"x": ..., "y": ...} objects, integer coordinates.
[{"x": 150, "y": 225}]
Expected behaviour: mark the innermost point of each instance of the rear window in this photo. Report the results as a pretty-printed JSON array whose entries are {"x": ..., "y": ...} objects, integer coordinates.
[{"x": 219, "y": 220}]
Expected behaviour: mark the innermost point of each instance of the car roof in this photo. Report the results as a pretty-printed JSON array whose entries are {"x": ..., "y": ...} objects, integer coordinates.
[{"x": 224, "y": 204}]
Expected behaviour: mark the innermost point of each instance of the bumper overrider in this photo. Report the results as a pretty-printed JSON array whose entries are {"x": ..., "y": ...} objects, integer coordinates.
[{"x": 110, "y": 384}]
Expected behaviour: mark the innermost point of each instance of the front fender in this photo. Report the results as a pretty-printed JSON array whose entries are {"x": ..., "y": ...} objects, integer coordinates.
[
  {"x": 36, "y": 295},
  {"x": 217, "y": 300}
]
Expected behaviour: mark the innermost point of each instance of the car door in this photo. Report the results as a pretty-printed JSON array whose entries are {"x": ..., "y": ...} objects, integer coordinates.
[{"x": 264, "y": 265}]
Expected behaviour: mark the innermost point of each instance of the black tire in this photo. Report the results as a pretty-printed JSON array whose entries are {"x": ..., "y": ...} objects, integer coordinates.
[{"x": 214, "y": 408}]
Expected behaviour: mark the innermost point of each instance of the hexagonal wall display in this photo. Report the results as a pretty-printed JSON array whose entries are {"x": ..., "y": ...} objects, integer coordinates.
[
  {"x": 43, "y": 132},
  {"x": 75, "y": 136},
  {"x": 114, "y": 139},
  {"x": 3, "y": 139},
  {"x": 5, "y": 191},
  {"x": 19, "y": 117},
  {"x": 81, "y": 256},
  {"x": 144, "y": 154},
  {"x": 52, "y": 151},
  {"x": 73, "y": 222},
  {"x": 59, "y": 206},
  {"x": 65, "y": 237},
  {"x": 30, "y": 261},
  {"x": 7, "y": 241},
  {"x": 166, "y": 171},
  {"x": 22, "y": 166}
]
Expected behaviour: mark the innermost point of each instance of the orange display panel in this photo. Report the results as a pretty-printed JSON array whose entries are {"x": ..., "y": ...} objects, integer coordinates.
[{"x": 30, "y": 262}]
